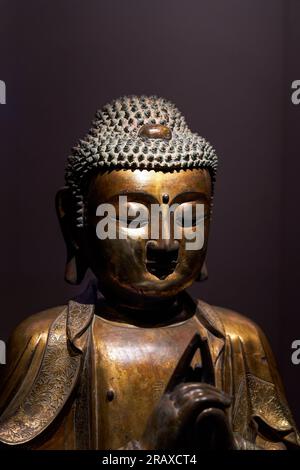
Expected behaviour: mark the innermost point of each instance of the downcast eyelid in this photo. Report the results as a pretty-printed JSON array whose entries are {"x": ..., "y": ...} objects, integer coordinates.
[{"x": 190, "y": 196}]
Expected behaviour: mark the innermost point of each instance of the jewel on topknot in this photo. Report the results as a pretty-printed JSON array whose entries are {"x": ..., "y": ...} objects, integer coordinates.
[{"x": 114, "y": 142}]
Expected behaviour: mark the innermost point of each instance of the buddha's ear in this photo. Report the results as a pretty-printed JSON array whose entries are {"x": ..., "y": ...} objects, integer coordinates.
[
  {"x": 203, "y": 275},
  {"x": 76, "y": 265}
]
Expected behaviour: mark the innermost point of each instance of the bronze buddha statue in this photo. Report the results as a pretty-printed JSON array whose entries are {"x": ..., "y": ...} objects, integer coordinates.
[{"x": 136, "y": 362}]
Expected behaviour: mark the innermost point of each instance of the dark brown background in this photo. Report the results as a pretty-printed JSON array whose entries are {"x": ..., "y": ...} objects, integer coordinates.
[{"x": 228, "y": 65}]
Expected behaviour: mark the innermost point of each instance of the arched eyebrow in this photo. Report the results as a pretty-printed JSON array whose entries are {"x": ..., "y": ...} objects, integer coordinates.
[
  {"x": 139, "y": 196},
  {"x": 187, "y": 196}
]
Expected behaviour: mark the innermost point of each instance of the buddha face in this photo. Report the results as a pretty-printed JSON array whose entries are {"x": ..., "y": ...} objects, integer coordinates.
[{"x": 135, "y": 265}]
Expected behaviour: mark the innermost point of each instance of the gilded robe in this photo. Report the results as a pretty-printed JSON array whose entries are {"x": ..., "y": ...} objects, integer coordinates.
[{"x": 77, "y": 381}]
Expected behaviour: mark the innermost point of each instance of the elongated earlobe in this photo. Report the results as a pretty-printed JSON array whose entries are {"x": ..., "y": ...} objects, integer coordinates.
[
  {"x": 203, "y": 273},
  {"x": 75, "y": 270},
  {"x": 76, "y": 265}
]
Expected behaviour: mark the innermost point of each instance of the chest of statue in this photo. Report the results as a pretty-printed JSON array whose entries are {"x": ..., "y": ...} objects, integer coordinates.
[
  {"x": 131, "y": 367},
  {"x": 103, "y": 380}
]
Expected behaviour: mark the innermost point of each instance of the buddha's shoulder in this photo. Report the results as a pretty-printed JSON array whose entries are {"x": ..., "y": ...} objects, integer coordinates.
[
  {"x": 231, "y": 323},
  {"x": 235, "y": 323},
  {"x": 25, "y": 351},
  {"x": 34, "y": 328}
]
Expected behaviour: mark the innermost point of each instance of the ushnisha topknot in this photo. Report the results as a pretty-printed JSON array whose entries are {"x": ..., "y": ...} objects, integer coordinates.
[{"x": 115, "y": 141}]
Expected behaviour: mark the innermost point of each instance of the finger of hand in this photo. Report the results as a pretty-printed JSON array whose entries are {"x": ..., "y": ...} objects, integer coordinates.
[
  {"x": 191, "y": 391},
  {"x": 200, "y": 398}
]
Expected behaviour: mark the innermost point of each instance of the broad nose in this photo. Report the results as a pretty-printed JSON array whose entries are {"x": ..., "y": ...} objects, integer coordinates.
[{"x": 162, "y": 257}]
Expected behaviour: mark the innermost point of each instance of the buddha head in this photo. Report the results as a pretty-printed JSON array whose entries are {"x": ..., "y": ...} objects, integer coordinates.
[{"x": 137, "y": 203}]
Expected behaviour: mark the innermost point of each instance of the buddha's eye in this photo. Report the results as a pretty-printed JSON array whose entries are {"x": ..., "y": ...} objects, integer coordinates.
[
  {"x": 133, "y": 215},
  {"x": 189, "y": 214}
]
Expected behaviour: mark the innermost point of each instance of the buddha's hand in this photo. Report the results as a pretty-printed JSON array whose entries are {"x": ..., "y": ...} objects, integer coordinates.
[{"x": 192, "y": 415}]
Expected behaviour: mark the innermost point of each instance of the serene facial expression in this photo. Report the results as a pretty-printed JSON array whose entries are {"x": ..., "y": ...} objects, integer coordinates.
[{"x": 137, "y": 266}]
